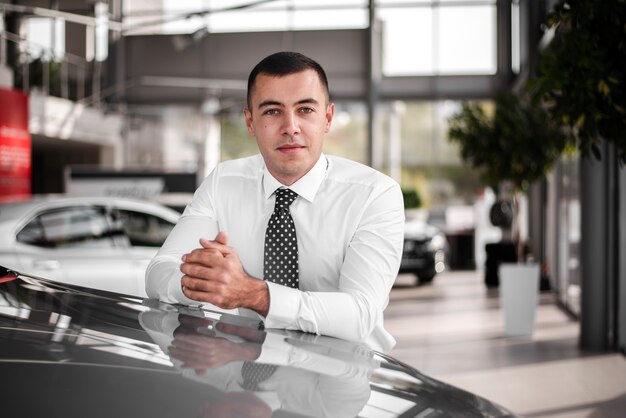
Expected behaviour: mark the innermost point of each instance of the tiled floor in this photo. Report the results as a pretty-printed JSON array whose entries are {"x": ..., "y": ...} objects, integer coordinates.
[{"x": 453, "y": 331}]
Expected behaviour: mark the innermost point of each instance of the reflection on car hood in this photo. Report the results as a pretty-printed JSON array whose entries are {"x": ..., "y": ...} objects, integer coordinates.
[{"x": 68, "y": 351}]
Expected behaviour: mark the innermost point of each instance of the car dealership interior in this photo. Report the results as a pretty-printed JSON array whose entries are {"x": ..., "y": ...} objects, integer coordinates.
[{"x": 142, "y": 99}]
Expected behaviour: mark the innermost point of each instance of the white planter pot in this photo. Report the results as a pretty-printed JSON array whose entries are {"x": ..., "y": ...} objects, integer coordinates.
[{"x": 519, "y": 293}]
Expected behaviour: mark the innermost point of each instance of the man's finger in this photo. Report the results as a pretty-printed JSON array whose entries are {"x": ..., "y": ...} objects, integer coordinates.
[
  {"x": 199, "y": 285},
  {"x": 200, "y": 271},
  {"x": 206, "y": 256},
  {"x": 222, "y": 238},
  {"x": 224, "y": 249},
  {"x": 202, "y": 296}
]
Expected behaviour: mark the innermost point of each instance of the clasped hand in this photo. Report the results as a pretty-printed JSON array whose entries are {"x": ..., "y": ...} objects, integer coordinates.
[
  {"x": 214, "y": 274},
  {"x": 209, "y": 350}
]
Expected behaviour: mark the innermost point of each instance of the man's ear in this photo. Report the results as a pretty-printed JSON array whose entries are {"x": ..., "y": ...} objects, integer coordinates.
[
  {"x": 330, "y": 113},
  {"x": 248, "y": 115}
]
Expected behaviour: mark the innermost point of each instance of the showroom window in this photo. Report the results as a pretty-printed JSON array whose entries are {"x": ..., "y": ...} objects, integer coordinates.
[
  {"x": 46, "y": 38},
  {"x": 182, "y": 16},
  {"x": 427, "y": 161},
  {"x": 567, "y": 251},
  {"x": 438, "y": 37}
]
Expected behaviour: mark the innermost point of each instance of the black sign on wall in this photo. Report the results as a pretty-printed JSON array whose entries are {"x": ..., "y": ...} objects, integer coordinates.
[{"x": 127, "y": 183}]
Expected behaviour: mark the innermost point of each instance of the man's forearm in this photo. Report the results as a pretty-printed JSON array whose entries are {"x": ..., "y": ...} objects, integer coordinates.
[{"x": 258, "y": 297}]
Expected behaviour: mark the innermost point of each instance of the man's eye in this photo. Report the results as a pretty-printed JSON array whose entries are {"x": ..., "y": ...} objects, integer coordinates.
[
  {"x": 271, "y": 112},
  {"x": 306, "y": 110}
]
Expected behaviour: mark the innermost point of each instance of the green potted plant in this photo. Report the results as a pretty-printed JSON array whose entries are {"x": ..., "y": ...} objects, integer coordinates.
[
  {"x": 512, "y": 148},
  {"x": 581, "y": 77}
]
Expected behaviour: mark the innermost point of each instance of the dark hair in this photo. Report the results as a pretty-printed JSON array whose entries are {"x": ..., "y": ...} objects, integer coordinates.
[{"x": 285, "y": 63}]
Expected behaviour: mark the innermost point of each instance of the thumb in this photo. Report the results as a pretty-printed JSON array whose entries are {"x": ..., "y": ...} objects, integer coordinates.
[{"x": 222, "y": 238}]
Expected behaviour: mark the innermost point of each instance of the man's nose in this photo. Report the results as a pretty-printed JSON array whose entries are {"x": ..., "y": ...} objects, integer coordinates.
[{"x": 291, "y": 124}]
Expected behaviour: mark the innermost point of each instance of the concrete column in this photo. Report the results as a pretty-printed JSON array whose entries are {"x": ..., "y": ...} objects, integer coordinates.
[
  {"x": 621, "y": 274},
  {"x": 599, "y": 233},
  {"x": 503, "y": 38},
  {"x": 552, "y": 230},
  {"x": 6, "y": 74},
  {"x": 375, "y": 154},
  {"x": 3, "y": 48},
  {"x": 395, "y": 140},
  {"x": 212, "y": 146}
]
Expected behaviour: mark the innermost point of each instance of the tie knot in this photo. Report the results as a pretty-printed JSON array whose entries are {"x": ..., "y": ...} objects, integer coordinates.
[{"x": 284, "y": 198}]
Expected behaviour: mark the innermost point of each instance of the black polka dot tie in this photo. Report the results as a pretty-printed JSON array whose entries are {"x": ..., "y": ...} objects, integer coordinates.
[
  {"x": 255, "y": 373},
  {"x": 281, "y": 245}
]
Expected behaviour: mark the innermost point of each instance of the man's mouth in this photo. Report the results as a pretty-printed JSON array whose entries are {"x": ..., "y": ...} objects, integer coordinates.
[{"x": 290, "y": 148}]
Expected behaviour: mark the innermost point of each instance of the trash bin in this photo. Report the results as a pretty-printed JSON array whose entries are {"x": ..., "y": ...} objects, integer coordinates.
[{"x": 519, "y": 294}]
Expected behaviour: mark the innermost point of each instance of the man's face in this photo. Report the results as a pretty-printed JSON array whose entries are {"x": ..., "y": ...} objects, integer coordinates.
[{"x": 289, "y": 117}]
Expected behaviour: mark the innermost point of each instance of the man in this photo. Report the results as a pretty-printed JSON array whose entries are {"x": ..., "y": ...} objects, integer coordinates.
[{"x": 341, "y": 222}]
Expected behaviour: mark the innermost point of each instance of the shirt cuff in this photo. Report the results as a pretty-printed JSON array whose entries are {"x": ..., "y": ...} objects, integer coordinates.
[{"x": 284, "y": 306}]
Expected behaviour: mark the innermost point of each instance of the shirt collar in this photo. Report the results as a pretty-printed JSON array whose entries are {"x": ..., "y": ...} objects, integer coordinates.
[{"x": 307, "y": 186}]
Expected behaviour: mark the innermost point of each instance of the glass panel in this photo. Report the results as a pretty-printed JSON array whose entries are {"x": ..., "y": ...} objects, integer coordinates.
[
  {"x": 236, "y": 143},
  {"x": 466, "y": 40},
  {"x": 439, "y": 40},
  {"x": 143, "y": 229},
  {"x": 515, "y": 37},
  {"x": 32, "y": 234},
  {"x": 271, "y": 5},
  {"x": 348, "y": 133},
  {"x": 571, "y": 237},
  {"x": 407, "y": 41},
  {"x": 249, "y": 20},
  {"x": 328, "y": 3},
  {"x": 476, "y": 2},
  {"x": 430, "y": 164},
  {"x": 450, "y": 3},
  {"x": 71, "y": 227},
  {"x": 384, "y": 3},
  {"x": 46, "y": 38},
  {"x": 566, "y": 256},
  {"x": 170, "y": 16},
  {"x": 330, "y": 19}
]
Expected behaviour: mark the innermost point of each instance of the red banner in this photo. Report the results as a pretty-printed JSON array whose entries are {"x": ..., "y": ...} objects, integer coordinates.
[{"x": 15, "y": 145}]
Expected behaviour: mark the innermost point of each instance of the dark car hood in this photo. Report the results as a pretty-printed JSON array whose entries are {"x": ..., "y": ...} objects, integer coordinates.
[{"x": 70, "y": 351}]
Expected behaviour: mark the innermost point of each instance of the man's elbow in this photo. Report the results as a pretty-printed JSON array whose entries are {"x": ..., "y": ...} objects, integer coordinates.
[
  {"x": 368, "y": 315},
  {"x": 155, "y": 281}
]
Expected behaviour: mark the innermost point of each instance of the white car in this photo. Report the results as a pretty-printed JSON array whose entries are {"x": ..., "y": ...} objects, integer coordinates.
[{"x": 98, "y": 242}]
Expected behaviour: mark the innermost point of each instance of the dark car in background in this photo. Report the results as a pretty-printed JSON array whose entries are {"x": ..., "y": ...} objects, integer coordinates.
[
  {"x": 67, "y": 351},
  {"x": 425, "y": 250}
]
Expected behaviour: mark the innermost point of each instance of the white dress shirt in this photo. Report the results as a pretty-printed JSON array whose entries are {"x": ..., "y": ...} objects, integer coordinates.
[{"x": 349, "y": 223}]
